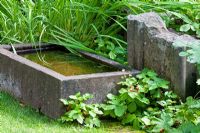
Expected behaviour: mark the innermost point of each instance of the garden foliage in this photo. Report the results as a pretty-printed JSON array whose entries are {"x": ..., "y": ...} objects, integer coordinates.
[
  {"x": 146, "y": 103},
  {"x": 97, "y": 26}
]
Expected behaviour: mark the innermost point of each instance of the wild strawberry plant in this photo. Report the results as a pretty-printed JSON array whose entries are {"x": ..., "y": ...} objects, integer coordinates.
[
  {"x": 78, "y": 110},
  {"x": 144, "y": 101}
]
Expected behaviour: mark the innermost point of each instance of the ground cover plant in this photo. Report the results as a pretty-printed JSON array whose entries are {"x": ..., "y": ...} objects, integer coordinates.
[{"x": 146, "y": 103}]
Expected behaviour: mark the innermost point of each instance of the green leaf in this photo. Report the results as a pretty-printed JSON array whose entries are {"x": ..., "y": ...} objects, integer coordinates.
[
  {"x": 165, "y": 122},
  {"x": 157, "y": 93},
  {"x": 73, "y": 113},
  {"x": 193, "y": 103},
  {"x": 185, "y": 27},
  {"x": 153, "y": 86},
  {"x": 133, "y": 94},
  {"x": 97, "y": 111},
  {"x": 87, "y": 96},
  {"x": 121, "y": 91},
  {"x": 189, "y": 127},
  {"x": 183, "y": 53},
  {"x": 146, "y": 120},
  {"x": 132, "y": 107},
  {"x": 143, "y": 100},
  {"x": 195, "y": 26},
  {"x": 93, "y": 114},
  {"x": 96, "y": 122},
  {"x": 110, "y": 96},
  {"x": 74, "y": 97},
  {"x": 119, "y": 50},
  {"x": 110, "y": 46},
  {"x": 108, "y": 107},
  {"x": 120, "y": 110},
  {"x": 197, "y": 16},
  {"x": 112, "y": 55},
  {"x": 128, "y": 119},
  {"x": 80, "y": 118},
  {"x": 64, "y": 101},
  {"x": 198, "y": 33},
  {"x": 151, "y": 74},
  {"x": 136, "y": 124}
]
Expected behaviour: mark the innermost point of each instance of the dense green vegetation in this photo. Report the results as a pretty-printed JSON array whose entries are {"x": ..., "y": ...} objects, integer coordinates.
[
  {"x": 97, "y": 26},
  {"x": 144, "y": 102}
]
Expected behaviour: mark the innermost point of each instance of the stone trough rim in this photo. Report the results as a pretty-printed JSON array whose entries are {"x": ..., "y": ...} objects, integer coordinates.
[{"x": 6, "y": 50}]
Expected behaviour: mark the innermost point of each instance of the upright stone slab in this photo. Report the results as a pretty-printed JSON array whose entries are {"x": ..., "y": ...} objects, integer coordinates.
[{"x": 150, "y": 45}]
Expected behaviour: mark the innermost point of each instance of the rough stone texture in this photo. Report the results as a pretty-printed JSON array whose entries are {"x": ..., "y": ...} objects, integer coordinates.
[
  {"x": 42, "y": 88},
  {"x": 150, "y": 45}
]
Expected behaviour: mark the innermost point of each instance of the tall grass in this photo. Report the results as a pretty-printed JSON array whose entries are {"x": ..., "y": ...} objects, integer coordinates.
[
  {"x": 96, "y": 26},
  {"x": 19, "y": 22},
  {"x": 91, "y": 23}
]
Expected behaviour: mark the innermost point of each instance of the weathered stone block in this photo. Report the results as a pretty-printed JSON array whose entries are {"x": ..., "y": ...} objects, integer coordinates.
[{"x": 150, "y": 45}]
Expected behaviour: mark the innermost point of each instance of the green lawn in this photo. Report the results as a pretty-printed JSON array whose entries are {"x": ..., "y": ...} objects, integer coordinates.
[{"x": 15, "y": 118}]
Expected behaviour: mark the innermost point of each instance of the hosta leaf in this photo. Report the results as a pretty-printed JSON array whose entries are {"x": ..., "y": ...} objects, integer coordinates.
[
  {"x": 185, "y": 27},
  {"x": 120, "y": 110}
]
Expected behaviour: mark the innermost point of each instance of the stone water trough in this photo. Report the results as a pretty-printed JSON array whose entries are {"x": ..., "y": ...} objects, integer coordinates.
[
  {"x": 41, "y": 87},
  {"x": 149, "y": 45}
]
